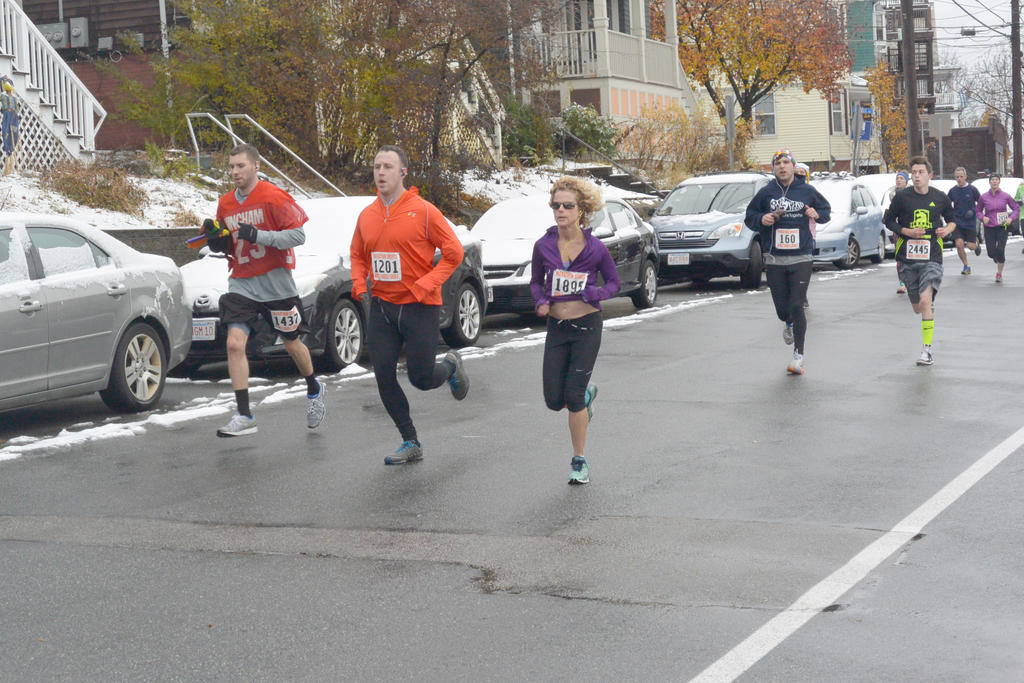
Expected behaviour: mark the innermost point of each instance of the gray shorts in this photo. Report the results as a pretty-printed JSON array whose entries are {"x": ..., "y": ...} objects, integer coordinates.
[{"x": 917, "y": 276}]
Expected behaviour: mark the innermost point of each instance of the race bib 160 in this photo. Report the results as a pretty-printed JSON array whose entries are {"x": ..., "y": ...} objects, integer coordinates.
[{"x": 787, "y": 238}]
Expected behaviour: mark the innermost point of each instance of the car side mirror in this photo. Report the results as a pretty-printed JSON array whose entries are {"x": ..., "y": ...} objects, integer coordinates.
[
  {"x": 862, "y": 211},
  {"x": 603, "y": 232}
]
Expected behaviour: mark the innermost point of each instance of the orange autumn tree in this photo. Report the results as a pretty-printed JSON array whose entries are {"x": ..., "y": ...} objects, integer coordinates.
[
  {"x": 753, "y": 47},
  {"x": 889, "y": 115}
]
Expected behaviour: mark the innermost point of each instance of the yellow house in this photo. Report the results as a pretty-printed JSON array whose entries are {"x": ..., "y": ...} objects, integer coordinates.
[{"x": 817, "y": 129}]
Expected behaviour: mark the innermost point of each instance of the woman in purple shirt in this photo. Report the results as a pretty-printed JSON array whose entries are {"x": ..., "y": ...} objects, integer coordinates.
[
  {"x": 997, "y": 210},
  {"x": 564, "y": 284}
]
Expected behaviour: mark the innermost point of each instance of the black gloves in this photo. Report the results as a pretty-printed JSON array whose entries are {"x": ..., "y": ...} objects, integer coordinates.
[
  {"x": 247, "y": 232},
  {"x": 218, "y": 238}
]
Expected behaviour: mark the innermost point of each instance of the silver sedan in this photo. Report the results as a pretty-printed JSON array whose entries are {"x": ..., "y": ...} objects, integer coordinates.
[{"x": 81, "y": 312}]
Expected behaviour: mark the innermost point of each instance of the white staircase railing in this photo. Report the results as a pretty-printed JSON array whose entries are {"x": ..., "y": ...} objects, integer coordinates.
[{"x": 46, "y": 84}]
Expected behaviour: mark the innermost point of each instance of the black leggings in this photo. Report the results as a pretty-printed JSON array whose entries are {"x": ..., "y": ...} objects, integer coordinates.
[
  {"x": 789, "y": 291},
  {"x": 417, "y": 326},
  {"x": 570, "y": 352},
  {"x": 995, "y": 243}
]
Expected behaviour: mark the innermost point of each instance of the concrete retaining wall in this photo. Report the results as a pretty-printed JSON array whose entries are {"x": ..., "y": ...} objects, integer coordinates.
[{"x": 164, "y": 241}]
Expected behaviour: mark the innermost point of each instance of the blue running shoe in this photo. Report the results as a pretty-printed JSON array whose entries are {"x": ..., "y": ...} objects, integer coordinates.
[
  {"x": 458, "y": 382},
  {"x": 966, "y": 270},
  {"x": 580, "y": 473},
  {"x": 409, "y": 451},
  {"x": 590, "y": 395}
]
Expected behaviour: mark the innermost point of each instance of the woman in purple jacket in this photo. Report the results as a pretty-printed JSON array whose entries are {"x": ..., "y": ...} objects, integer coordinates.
[
  {"x": 564, "y": 284},
  {"x": 998, "y": 211}
]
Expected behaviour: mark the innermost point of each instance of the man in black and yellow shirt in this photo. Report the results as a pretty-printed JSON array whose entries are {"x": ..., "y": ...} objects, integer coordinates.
[{"x": 920, "y": 217}]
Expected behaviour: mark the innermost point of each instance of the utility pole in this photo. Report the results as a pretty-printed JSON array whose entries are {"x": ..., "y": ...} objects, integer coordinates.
[
  {"x": 910, "y": 77},
  {"x": 1015, "y": 66}
]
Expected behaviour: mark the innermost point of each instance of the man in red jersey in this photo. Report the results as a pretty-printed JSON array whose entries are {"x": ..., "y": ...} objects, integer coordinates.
[
  {"x": 394, "y": 246},
  {"x": 265, "y": 224}
]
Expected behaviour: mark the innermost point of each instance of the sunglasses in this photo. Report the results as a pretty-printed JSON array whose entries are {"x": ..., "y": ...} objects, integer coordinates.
[{"x": 565, "y": 205}]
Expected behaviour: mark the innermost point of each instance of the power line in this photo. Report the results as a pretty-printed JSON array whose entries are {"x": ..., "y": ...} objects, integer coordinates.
[{"x": 957, "y": 3}]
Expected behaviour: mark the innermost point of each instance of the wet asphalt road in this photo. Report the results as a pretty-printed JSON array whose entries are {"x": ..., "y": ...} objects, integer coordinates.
[{"x": 722, "y": 491}]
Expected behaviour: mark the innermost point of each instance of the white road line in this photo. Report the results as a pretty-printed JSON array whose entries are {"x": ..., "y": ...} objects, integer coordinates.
[{"x": 738, "y": 660}]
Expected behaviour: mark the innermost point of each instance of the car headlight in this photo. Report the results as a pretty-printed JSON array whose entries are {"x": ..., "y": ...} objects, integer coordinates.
[{"x": 730, "y": 230}]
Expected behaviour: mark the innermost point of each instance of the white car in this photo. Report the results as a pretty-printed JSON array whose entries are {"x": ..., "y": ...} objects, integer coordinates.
[
  {"x": 510, "y": 228},
  {"x": 322, "y": 275},
  {"x": 81, "y": 312}
]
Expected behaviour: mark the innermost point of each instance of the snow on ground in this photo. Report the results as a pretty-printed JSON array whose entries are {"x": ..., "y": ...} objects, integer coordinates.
[
  {"x": 167, "y": 198},
  {"x": 171, "y": 201},
  {"x": 520, "y": 182}
]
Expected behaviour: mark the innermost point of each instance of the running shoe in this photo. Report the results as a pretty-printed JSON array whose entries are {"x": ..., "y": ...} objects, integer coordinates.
[
  {"x": 926, "y": 356},
  {"x": 458, "y": 382},
  {"x": 902, "y": 289},
  {"x": 796, "y": 366},
  {"x": 590, "y": 395},
  {"x": 240, "y": 425},
  {"x": 316, "y": 409},
  {"x": 580, "y": 472},
  {"x": 787, "y": 334},
  {"x": 409, "y": 451},
  {"x": 966, "y": 270},
  {"x": 977, "y": 250},
  {"x": 999, "y": 278}
]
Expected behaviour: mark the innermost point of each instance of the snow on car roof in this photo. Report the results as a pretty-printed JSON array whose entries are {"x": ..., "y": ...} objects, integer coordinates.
[{"x": 737, "y": 177}]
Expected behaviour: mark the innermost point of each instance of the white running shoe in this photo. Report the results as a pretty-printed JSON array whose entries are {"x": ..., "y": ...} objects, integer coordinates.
[
  {"x": 796, "y": 366},
  {"x": 316, "y": 409},
  {"x": 926, "y": 356},
  {"x": 240, "y": 425},
  {"x": 787, "y": 335}
]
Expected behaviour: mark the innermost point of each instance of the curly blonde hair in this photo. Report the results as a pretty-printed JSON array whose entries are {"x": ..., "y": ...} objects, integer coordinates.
[{"x": 588, "y": 197}]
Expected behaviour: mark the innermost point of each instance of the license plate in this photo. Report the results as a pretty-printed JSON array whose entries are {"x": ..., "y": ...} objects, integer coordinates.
[
  {"x": 204, "y": 329},
  {"x": 679, "y": 259},
  {"x": 490, "y": 295}
]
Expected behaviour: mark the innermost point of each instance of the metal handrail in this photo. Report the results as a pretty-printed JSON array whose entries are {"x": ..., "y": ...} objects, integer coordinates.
[
  {"x": 226, "y": 129},
  {"x": 604, "y": 156},
  {"x": 246, "y": 117}
]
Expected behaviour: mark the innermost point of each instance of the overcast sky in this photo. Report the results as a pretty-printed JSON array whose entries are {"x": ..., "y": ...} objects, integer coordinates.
[{"x": 990, "y": 18}]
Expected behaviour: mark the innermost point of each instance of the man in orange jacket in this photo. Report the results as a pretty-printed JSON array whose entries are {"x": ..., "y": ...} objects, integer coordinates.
[{"x": 393, "y": 245}]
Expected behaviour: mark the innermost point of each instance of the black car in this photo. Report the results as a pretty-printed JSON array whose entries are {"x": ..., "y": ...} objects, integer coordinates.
[
  {"x": 510, "y": 228},
  {"x": 337, "y": 322}
]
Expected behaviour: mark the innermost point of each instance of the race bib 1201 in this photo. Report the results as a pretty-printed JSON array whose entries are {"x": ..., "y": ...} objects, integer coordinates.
[
  {"x": 787, "y": 238},
  {"x": 567, "y": 282},
  {"x": 386, "y": 266},
  {"x": 286, "y": 321},
  {"x": 919, "y": 250}
]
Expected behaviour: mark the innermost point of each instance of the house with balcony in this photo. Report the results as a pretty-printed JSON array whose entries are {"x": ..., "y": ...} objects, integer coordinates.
[
  {"x": 610, "y": 55},
  {"x": 59, "y": 116}
]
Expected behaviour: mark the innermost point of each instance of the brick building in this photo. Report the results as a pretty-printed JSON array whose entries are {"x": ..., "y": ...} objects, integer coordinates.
[
  {"x": 980, "y": 150},
  {"x": 90, "y": 32}
]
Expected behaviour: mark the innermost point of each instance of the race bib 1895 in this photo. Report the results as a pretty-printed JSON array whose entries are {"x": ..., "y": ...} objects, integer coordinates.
[
  {"x": 919, "y": 250},
  {"x": 787, "y": 238},
  {"x": 286, "y": 321},
  {"x": 567, "y": 282},
  {"x": 386, "y": 265}
]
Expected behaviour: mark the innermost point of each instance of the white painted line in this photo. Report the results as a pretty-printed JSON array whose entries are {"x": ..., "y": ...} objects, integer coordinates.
[{"x": 738, "y": 660}]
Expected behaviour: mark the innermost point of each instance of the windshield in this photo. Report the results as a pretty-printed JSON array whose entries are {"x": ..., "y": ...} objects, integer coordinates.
[
  {"x": 707, "y": 197},
  {"x": 836, "y": 192}
]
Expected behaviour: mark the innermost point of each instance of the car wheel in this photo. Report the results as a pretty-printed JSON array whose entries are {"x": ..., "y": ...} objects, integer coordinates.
[
  {"x": 648, "y": 292},
  {"x": 466, "y": 319},
  {"x": 139, "y": 372},
  {"x": 751, "y": 277},
  {"x": 852, "y": 255},
  {"x": 346, "y": 337},
  {"x": 880, "y": 256}
]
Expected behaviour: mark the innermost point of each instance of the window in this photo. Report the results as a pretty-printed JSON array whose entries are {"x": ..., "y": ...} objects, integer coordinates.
[
  {"x": 837, "y": 119},
  {"x": 13, "y": 267},
  {"x": 921, "y": 56},
  {"x": 923, "y": 88},
  {"x": 764, "y": 116},
  {"x": 65, "y": 251}
]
